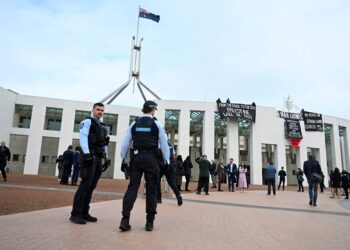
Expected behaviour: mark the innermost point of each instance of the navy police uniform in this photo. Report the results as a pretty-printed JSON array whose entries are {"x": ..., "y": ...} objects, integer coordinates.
[
  {"x": 93, "y": 141},
  {"x": 146, "y": 133}
]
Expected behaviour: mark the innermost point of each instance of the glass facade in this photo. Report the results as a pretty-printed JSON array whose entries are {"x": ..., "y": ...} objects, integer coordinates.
[
  {"x": 53, "y": 119},
  {"x": 79, "y": 116},
  {"x": 22, "y": 116},
  {"x": 111, "y": 120},
  {"x": 172, "y": 118}
]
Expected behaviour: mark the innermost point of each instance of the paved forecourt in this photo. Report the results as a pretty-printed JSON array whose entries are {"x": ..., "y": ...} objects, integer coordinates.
[{"x": 222, "y": 220}]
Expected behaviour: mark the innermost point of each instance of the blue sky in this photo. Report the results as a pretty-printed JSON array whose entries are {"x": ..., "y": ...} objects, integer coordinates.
[{"x": 247, "y": 50}]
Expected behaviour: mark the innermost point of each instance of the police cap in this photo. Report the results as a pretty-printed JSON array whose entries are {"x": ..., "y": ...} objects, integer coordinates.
[{"x": 148, "y": 106}]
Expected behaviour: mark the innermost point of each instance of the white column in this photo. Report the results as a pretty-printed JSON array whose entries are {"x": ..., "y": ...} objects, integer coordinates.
[
  {"x": 346, "y": 150},
  {"x": 232, "y": 140},
  {"x": 255, "y": 160},
  {"x": 184, "y": 133},
  {"x": 31, "y": 164},
  {"x": 335, "y": 147},
  {"x": 208, "y": 143},
  {"x": 123, "y": 124}
]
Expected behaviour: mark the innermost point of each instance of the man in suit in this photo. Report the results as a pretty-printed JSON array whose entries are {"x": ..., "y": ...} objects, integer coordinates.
[
  {"x": 231, "y": 170},
  {"x": 312, "y": 169},
  {"x": 282, "y": 174}
]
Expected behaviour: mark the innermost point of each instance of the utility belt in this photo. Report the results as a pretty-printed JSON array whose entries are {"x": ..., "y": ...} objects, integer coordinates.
[
  {"x": 144, "y": 151},
  {"x": 99, "y": 154}
]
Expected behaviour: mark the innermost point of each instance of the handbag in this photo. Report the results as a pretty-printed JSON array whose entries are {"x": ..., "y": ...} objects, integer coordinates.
[{"x": 316, "y": 177}]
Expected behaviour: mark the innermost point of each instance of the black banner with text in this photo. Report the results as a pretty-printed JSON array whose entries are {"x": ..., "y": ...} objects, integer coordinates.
[
  {"x": 312, "y": 121},
  {"x": 236, "y": 110},
  {"x": 292, "y": 124}
]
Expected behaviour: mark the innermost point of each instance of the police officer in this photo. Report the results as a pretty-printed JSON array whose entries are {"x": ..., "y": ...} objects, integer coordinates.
[
  {"x": 93, "y": 141},
  {"x": 145, "y": 134}
]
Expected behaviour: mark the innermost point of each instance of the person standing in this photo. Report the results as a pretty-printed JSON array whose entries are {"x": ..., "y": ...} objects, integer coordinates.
[
  {"x": 93, "y": 141},
  {"x": 213, "y": 173},
  {"x": 282, "y": 174},
  {"x": 336, "y": 179},
  {"x": 270, "y": 174},
  {"x": 322, "y": 186},
  {"x": 67, "y": 164},
  {"x": 146, "y": 133},
  {"x": 180, "y": 171},
  {"x": 242, "y": 178},
  {"x": 188, "y": 166},
  {"x": 5, "y": 155},
  {"x": 300, "y": 179},
  {"x": 231, "y": 170},
  {"x": 169, "y": 173},
  {"x": 220, "y": 169},
  {"x": 345, "y": 183},
  {"x": 312, "y": 168},
  {"x": 204, "y": 168},
  {"x": 76, "y": 165},
  {"x": 59, "y": 162}
]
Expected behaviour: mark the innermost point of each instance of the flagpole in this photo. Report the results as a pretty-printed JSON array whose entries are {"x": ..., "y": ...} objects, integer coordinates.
[{"x": 138, "y": 24}]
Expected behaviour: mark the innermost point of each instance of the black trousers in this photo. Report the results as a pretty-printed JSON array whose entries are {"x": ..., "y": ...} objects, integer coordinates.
[
  {"x": 90, "y": 174},
  {"x": 169, "y": 175},
  {"x": 231, "y": 181},
  {"x": 282, "y": 180},
  {"x": 271, "y": 182},
  {"x": 346, "y": 192},
  {"x": 142, "y": 164},
  {"x": 203, "y": 182},
  {"x": 188, "y": 178},
  {"x": 67, "y": 169},
  {"x": 3, "y": 170},
  {"x": 300, "y": 185}
]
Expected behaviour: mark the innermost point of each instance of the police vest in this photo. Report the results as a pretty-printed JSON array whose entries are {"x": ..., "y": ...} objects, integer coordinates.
[
  {"x": 145, "y": 133},
  {"x": 97, "y": 135}
]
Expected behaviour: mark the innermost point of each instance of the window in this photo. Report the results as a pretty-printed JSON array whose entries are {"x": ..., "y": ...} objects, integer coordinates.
[
  {"x": 53, "y": 119},
  {"x": 22, "y": 116},
  {"x": 79, "y": 116},
  {"x": 111, "y": 121},
  {"x": 24, "y": 158},
  {"x": 15, "y": 157},
  {"x": 44, "y": 159}
]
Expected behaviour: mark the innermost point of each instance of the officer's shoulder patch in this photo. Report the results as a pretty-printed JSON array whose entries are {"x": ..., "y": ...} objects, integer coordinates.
[{"x": 81, "y": 125}]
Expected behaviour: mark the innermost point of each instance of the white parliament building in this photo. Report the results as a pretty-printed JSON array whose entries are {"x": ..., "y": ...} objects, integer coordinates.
[{"x": 38, "y": 129}]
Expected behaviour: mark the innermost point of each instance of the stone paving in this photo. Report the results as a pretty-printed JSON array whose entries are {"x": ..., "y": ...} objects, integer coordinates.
[{"x": 222, "y": 220}]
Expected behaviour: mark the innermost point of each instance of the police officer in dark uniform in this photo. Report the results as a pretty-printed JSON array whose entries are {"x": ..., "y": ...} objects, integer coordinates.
[
  {"x": 93, "y": 141},
  {"x": 146, "y": 133}
]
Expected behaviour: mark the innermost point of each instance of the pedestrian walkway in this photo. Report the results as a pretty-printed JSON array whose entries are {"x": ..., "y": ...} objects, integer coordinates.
[{"x": 250, "y": 220}]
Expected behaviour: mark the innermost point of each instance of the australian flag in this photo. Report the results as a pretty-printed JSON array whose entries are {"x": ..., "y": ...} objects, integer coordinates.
[{"x": 145, "y": 14}]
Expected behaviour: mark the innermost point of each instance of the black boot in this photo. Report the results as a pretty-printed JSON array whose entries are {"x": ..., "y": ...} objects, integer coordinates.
[
  {"x": 89, "y": 218},
  {"x": 124, "y": 224},
  {"x": 149, "y": 223},
  {"x": 77, "y": 220},
  {"x": 179, "y": 200}
]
